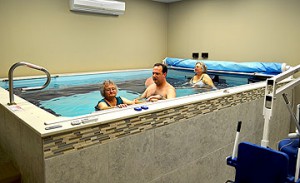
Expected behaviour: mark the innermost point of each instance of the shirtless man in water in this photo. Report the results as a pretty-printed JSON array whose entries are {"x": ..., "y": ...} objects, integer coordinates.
[{"x": 160, "y": 89}]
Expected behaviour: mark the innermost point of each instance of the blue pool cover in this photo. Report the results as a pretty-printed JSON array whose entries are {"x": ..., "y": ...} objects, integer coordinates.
[{"x": 271, "y": 68}]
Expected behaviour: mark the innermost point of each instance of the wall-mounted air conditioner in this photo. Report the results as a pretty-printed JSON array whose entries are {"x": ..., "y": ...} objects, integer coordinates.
[{"x": 98, "y": 6}]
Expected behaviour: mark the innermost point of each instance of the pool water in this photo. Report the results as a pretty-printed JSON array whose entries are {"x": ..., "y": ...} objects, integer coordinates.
[
  {"x": 77, "y": 95},
  {"x": 65, "y": 106}
]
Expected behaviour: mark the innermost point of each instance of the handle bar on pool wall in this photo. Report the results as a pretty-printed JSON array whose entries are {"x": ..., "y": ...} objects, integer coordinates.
[{"x": 10, "y": 78}]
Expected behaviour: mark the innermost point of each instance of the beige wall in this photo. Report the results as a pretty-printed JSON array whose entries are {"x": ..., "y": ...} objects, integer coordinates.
[
  {"x": 46, "y": 33},
  {"x": 248, "y": 30},
  {"x": 236, "y": 30}
]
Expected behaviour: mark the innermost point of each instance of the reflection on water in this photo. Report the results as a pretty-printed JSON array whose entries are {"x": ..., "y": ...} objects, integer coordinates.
[
  {"x": 78, "y": 94},
  {"x": 80, "y": 100}
]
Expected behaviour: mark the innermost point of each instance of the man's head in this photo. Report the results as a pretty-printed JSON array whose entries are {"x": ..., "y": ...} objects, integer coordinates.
[{"x": 159, "y": 73}]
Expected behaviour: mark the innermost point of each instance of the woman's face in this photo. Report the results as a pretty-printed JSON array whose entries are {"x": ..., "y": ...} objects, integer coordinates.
[
  {"x": 198, "y": 68},
  {"x": 110, "y": 90}
]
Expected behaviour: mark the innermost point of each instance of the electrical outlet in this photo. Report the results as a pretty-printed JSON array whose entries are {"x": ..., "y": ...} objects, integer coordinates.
[
  {"x": 195, "y": 55},
  {"x": 204, "y": 55}
]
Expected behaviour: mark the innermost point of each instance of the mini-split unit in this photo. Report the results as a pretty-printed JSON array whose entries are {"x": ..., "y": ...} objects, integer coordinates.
[{"x": 98, "y": 6}]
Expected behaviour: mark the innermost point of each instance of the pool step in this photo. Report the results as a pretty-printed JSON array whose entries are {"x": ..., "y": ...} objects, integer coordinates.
[{"x": 8, "y": 173}]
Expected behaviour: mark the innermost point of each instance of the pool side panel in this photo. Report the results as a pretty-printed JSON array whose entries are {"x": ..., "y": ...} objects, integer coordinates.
[
  {"x": 103, "y": 133},
  {"x": 127, "y": 150},
  {"x": 188, "y": 149},
  {"x": 23, "y": 145},
  {"x": 20, "y": 140}
]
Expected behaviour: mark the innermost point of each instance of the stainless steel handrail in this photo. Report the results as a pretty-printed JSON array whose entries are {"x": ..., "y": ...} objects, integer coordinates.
[{"x": 10, "y": 78}]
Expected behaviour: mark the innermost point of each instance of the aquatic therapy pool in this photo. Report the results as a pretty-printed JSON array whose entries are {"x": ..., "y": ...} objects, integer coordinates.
[
  {"x": 76, "y": 95},
  {"x": 148, "y": 137}
]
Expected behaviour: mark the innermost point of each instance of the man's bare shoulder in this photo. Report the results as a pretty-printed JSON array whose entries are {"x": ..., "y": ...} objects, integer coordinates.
[
  {"x": 170, "y": 86},
  {"x": 151, "y": 87},
  {"x": 171, "y": 92},
  {"x": 150, "y": 90}
]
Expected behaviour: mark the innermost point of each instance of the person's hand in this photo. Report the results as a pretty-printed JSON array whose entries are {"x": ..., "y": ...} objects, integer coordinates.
[
  {"x": 152, "y": 99},
  {"x": 141, "y": 100},
  {"x": 137, "y": 101},
  {"x": 122, "y": 105}
]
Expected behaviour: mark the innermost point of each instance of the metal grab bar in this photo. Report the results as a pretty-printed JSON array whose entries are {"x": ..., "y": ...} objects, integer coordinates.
[{"x": 10, "y": 78}]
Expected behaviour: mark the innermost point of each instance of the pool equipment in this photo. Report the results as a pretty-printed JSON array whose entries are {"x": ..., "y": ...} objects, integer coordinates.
[
  {"x": 256, "y": 68},
  {"x": 137, "y": 108},
  {"x": 53, "y": 127},
  {"x": 10, "y": 78},
  {"x": 143, "y": 107},
  {"x": 288, "y": 146},
  {"x": 234, "y": 152},
  {"x": 261, "y": 164},
  {"x": 297, "y": 163},
  {"x": 291, "y": 145},
  {"x": 257, "y": 164},
  {"x": 271, "y": 91}
]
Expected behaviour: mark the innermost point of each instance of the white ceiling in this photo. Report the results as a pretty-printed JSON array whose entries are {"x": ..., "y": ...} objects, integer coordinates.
[{"x": 166, "y": 1}]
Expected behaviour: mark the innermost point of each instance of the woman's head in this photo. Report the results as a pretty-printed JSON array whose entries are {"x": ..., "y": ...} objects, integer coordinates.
[
  {"x": 108, "y": 89},
  {"x": 200, "y": 67}
]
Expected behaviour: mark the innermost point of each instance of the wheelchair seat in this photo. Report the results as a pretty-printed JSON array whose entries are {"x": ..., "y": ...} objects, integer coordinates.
[{"x": 257, "y": 164}]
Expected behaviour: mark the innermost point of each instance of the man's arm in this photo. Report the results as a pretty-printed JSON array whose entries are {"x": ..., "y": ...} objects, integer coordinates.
[
  {"x": 143, "y": 96},
  {"x": 171, "y": 93}
]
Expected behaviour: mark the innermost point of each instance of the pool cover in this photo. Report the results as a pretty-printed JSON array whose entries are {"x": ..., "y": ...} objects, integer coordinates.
[{"x": 271, "y": 68}]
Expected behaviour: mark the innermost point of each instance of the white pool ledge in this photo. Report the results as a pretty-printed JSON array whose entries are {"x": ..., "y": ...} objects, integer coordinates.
[{"x": 39, "y": 119}]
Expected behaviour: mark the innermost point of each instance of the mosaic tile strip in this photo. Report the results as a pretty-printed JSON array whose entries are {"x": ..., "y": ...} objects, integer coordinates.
[{"x": 72, "y": 141}]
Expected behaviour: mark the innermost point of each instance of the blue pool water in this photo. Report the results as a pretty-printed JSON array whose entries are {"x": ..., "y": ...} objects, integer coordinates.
[
  {"x": 77, "y": 95},
  {"x": 70, "y": 106}
]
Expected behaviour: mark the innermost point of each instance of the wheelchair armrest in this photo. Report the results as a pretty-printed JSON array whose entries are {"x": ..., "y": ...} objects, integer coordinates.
[{"x": 231, "y": 162}]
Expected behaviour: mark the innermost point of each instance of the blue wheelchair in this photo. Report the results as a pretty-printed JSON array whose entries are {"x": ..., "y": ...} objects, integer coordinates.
[{"x": 257, "y": 164}]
